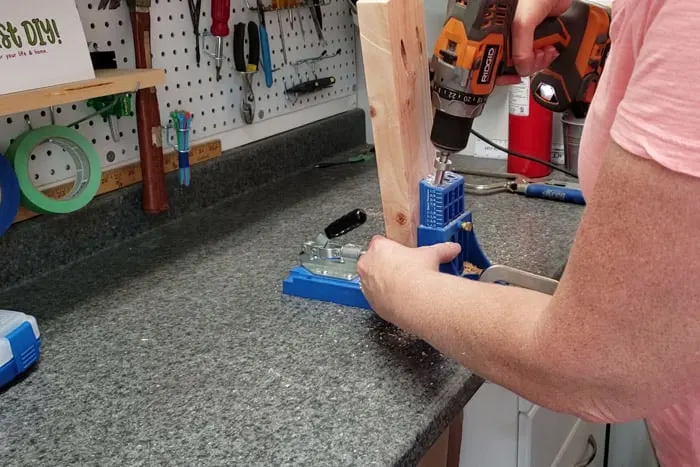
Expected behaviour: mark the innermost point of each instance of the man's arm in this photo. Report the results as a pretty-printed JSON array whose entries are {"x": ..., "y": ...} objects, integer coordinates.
[{"x": 621, "y": 336}]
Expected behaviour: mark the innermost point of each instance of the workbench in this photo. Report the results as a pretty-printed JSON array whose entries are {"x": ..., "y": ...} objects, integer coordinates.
[{"x": 177, "y": 347}]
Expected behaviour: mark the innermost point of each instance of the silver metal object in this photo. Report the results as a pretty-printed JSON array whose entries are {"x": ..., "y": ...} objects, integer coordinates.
[
  {"x": 442, "y": 163},
  {"x": 572, "y": 128},
  {"x": 317, "y": 25},
  {"x": 325, "y": 258},
  {"x": 519, "y": 278},
  {"x": 314, "y": 60},
  {"x": 218, "y": 56},
  {"x": 301, "y": 26},
  {"x": 114, "y": 127},
  {"x": 248, "y": 97},
  {"x": 284, "y": 44},
  {"x": 514, "y": 183}
]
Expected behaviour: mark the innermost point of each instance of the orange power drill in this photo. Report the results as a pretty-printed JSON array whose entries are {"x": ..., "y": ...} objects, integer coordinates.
[{"x": 474, "y": 48}]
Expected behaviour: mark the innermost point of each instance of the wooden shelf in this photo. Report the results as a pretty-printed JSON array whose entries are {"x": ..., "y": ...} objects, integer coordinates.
[{"x": 106, "y": 83}]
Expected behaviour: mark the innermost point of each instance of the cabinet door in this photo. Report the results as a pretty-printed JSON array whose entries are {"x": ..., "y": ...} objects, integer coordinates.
[
  {"x": 585, "y": 447},
  {"x": 541, "y": 435}
]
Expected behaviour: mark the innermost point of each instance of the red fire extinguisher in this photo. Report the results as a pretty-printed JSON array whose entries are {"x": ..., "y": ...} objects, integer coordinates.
[{"x": 529, "y": 132}]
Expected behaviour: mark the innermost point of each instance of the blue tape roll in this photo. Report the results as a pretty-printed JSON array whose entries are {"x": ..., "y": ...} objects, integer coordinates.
[{"x": 9, "y": 194}]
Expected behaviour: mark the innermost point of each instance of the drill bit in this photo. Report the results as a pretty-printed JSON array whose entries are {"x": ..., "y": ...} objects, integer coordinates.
[{"x": 442, "y": 162}]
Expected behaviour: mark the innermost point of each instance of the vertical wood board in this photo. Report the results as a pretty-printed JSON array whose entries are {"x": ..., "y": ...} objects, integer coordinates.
[{"x": 393, "y": 42}]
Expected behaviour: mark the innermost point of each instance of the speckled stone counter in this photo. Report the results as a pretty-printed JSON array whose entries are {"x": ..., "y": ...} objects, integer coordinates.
[{"x": 177, "y": 347}]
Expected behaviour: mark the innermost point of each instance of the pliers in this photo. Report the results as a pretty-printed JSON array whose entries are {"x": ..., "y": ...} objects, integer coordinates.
[
  {"x": 546, "y": 189},
  {"x": 246, "y": 69}
]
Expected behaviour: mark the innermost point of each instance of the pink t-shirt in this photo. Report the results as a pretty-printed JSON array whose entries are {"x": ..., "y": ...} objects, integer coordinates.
[{"x": 648, "y": 102}]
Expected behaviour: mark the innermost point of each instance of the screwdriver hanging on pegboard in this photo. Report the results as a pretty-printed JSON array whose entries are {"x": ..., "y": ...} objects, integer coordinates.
[{"x": 220, "y": 13}]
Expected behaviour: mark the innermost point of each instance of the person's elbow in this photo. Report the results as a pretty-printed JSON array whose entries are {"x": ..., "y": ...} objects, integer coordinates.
[{"x": 620, "y": 395}]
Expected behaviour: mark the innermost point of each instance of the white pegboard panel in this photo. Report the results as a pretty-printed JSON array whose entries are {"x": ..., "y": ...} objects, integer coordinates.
[{"x": 215, "y": 105}]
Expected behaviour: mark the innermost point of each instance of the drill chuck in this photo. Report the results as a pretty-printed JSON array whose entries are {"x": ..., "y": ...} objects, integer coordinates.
[{"x": 450, "y": 133}]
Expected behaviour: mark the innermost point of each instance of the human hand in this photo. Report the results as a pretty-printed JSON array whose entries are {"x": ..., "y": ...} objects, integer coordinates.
[
  {"x": 388, "y": 267},
  {"x": 529, "y": 15}
]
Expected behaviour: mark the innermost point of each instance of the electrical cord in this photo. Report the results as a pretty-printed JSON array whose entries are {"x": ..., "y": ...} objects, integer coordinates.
[{"x": 523, "y": 156}]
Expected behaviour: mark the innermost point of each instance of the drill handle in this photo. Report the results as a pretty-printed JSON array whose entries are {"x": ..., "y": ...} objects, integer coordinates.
[
  {"x": 550, "y": 32},
  {"x": 582, "y": 37}
]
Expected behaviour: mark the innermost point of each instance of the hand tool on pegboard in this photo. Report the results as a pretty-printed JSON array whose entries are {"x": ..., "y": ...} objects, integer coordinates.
[
  {"x": 288, "y": 4},
  {"x": 277, "y": 5},
  {"x": 264, "y": 45},
  {"x": 155, "y": 195},
  {"x": 295, "y": 5},
  {"x": 220, "y": 14},
  {"x": 317, "y": 15},
  {"x": 195, "y": 14},
  {"x": 112, "y": 4},
  {"x": 310, "y": 86},
  {"x": 246, "y": 70}
]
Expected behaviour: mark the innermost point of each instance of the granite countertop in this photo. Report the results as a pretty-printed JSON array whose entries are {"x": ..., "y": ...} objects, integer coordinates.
[{"x": 178, "y": 348}]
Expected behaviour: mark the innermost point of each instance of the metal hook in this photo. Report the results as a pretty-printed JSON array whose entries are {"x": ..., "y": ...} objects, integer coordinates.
[
  {"x": 286, "y": 94},
  {"x": 312, "y": 61},
  {"x": 28, "y": 121}
]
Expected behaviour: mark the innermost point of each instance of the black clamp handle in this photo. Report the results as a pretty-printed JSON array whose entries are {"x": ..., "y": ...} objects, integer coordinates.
[{"x": 345, "y": 224}]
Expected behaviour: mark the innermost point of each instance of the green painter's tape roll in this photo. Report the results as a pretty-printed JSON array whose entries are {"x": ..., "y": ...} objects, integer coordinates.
[{"x": 85, "y": 159}]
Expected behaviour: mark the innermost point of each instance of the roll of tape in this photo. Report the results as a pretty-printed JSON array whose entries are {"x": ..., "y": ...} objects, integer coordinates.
[
  {"x": 85, "y": 159},
  {"x": 9, "y": 195}
]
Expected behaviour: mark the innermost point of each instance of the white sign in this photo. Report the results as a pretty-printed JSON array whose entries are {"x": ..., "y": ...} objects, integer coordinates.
[
  {"x": 42, "y": 43},
  {"x": 485, "y": 150},
  {"x": 519, "y": 98},
  {"x": 558, "y": 154}
]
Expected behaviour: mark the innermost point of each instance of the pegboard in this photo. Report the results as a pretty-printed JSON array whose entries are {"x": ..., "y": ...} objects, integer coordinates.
[{"x": 215, "y": 105}]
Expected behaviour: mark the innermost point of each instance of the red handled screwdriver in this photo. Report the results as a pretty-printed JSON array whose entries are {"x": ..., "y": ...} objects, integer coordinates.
[{"x": 220, "y": 14}]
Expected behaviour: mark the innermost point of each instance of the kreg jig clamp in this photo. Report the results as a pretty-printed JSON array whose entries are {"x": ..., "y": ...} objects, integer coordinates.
[{"x": 328, "y": 272}]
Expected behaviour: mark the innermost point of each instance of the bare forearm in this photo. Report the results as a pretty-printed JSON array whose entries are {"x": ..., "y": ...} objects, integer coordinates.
[{"x": 491, "y": 329}]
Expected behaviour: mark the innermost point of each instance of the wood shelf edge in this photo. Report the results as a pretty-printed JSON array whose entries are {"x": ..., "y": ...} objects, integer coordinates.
[{"x": 106, "y": 83}]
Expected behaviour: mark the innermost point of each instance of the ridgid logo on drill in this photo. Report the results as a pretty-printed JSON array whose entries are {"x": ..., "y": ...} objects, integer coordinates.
[{"x": 488, "y": 63}]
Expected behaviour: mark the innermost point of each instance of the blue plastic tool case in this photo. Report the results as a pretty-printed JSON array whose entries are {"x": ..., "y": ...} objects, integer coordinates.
[{"x": 20, "y": 344}]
